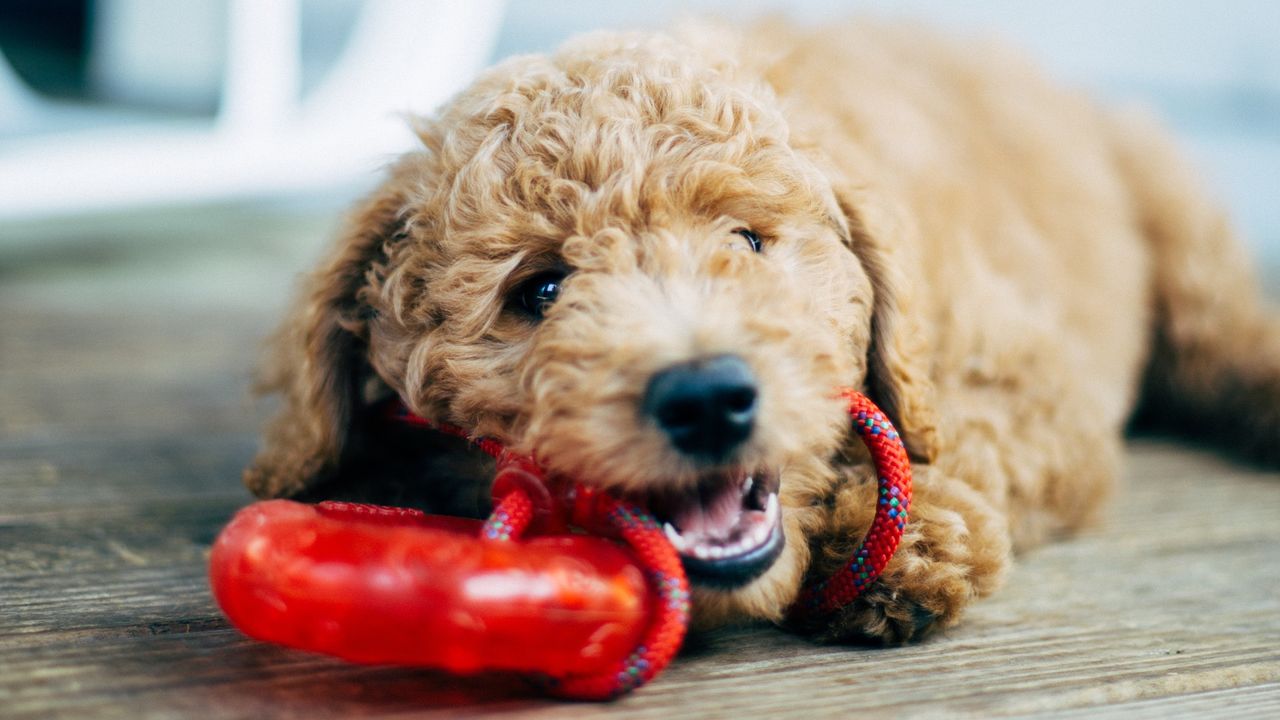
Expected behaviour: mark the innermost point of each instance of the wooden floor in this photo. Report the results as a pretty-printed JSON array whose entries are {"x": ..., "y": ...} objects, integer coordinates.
[{"x": 123, "y": 428}]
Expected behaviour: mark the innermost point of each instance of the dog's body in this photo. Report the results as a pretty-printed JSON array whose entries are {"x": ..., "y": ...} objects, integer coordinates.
[{"x": 568, "y": 266}]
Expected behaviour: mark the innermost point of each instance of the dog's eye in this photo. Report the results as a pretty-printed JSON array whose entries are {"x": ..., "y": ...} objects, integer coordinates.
[
  {"x": 752, "y": 239},
  {"x": 536, "y": 294}
]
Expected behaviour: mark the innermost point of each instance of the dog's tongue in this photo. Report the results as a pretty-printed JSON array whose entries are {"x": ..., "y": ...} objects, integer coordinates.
[
  {"x": 728, "y": 531},
  {"x": 713, "y": 515}
]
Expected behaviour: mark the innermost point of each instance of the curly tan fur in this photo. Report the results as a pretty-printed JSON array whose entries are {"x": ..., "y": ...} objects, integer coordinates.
[{"x": 996, "y": 261}]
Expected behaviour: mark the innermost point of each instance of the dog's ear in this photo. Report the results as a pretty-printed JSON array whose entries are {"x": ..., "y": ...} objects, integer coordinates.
[
  {"x": 317, "y": 361},
  {"x": 898, "y": 356}
]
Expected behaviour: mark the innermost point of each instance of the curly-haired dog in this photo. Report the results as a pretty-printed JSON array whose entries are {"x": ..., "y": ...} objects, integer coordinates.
[{"x": 654, "y": 258}]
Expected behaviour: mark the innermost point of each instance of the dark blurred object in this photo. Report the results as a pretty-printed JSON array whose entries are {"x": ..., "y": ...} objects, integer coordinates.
[{"x": 47, "y": 43}]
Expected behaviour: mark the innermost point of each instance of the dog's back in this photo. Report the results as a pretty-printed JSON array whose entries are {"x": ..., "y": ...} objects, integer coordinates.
[{"x": 1051, "y": 237}]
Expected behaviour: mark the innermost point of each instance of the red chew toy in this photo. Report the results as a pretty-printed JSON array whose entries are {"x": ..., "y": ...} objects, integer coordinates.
[
  {"x": 378, "y": 587},
  {"x": 392, "y": 585}
]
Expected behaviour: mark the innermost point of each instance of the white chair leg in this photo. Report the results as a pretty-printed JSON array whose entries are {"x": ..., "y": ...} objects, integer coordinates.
[{"x": 260, "y": 90}]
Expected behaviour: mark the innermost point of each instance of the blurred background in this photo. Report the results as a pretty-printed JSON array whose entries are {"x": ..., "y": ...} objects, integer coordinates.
[{"x": 198, "y": 153}]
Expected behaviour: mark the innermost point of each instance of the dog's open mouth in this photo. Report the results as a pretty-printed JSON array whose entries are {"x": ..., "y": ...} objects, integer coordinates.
[{"x": 727, "y": 529}]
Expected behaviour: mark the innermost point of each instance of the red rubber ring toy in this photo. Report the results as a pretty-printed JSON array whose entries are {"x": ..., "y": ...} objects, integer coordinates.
[
  {"x": 396, "y": 586},
  {"x": 374, "y": 586}
]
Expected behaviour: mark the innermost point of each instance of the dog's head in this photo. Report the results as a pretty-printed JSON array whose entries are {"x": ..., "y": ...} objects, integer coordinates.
[{"x": 617, "y": 259}]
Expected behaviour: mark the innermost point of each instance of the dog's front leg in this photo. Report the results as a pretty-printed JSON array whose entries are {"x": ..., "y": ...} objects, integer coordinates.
[{"x": 955, "y": 548}]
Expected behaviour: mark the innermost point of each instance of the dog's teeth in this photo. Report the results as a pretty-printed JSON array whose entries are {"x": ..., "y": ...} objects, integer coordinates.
[
  {"x": 754, "y": 532},
  {"x": 747, "y": 485},
  {"x": 674, "y": 536}
]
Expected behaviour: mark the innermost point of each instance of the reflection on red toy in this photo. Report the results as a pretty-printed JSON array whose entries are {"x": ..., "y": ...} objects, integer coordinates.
[{"x": 376, "y": 585}]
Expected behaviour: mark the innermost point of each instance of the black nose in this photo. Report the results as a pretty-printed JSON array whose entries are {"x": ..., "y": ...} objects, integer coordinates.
[{"x": 706, "y": 407}]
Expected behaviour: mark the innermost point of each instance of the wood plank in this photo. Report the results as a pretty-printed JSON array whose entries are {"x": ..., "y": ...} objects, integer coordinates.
[
  {"x": 61, "y": 476},
  {"x": 146, "y": 371}
]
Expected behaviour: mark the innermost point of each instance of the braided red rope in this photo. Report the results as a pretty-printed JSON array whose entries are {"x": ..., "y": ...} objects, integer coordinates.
[
  {"x": 893, "y": 471},
  {"x": 526, "y": 499}
]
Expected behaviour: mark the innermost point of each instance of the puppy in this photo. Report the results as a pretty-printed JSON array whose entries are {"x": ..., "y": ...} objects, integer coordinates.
[{"x": 652, "y": 260}]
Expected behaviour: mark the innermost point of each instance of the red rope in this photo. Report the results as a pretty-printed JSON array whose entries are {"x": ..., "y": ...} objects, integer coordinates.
[
  {"x": 663, "y": 637},
  {"x": 525, "y": 500},
  {"x": 893, "y": 500},
  {"x": 653, "y": 552}
]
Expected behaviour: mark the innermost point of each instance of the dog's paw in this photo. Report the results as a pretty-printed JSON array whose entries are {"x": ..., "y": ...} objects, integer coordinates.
[
  {"x": 881, "y": 616},
  {"x": 913, "y": 598},
  {"x": 955, "y": 548}
]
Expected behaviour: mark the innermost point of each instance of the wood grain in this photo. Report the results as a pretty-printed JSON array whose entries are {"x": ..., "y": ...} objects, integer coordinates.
[{"x": 120, "y": 446}]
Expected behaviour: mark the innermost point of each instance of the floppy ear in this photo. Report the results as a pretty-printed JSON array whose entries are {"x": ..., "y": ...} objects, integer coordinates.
[
  {"x": 898, "y": 356},
  {"x": 317, "y": 362}
]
